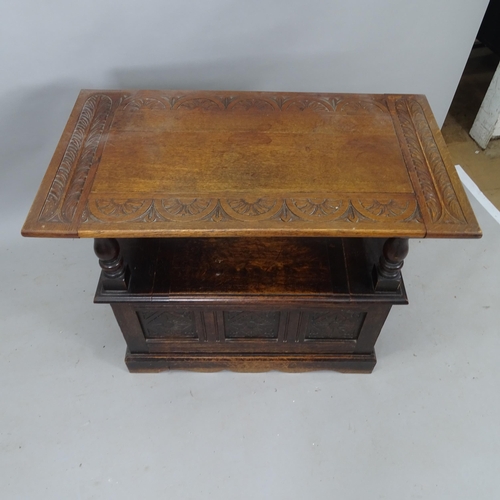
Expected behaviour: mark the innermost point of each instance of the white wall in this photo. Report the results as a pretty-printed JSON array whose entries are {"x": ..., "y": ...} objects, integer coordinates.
[
  {"x": 486, "y": 126},
  {"x": 50, "y": 49}
]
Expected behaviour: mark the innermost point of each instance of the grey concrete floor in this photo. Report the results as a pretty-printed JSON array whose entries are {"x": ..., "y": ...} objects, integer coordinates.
[{"x": 75, "y": 424}]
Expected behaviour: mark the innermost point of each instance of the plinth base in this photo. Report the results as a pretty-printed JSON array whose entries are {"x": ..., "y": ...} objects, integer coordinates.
[{"x": 251, "y": 363}]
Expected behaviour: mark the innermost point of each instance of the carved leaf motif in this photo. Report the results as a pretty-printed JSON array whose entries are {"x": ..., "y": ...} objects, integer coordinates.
[
  {"x": 181, "y": 207},
  {"x": 389, "y": 209},
  {"x": 212, "y": 210},
  {"x": 252, "y": 209},
  {"x": 362, "y": 106},
  {"x": 258, "y": 104},
  {"x": 435, "y": 161},
  {"x": 417, "y": 156},
  {"x": 312, "y": 104},
  {"x": 320, "y": 104},
  {"x": 317, "y": 207},
  {"x": 218, "y": 214},
  {"x": 117, "y": 208},
  {"x": 416, "y": 216},
  {"x": 353, "y": 215},
  {"x": 147, "y": 103},
  {"x": 195, "y": 103},
  {"x": 84, "y": 142},
  {"x": 122, "y": 211},
  {"x": 86, "y": 158},
  {"x": 151, "y": 215},
  {"x": 285, "y": 214}
]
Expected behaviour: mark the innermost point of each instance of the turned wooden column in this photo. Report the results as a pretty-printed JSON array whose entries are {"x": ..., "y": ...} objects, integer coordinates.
[
  {"x": 387, "y": 274},
  {"x": 115, "y": 272}
]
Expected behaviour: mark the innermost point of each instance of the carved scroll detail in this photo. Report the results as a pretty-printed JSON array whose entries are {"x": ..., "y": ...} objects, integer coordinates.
[
  {"x": 312, "y": 104},
  {"x": 435, "y": 160},
  {"x": 249, "y": 104},
  {"x": 352, "y": 214},
  {"x": 390, "y": 208},
  {"x": 340, "y": 104},
  {"x": 272, "y": 209},
  {"x": 203, "y": 103},
  {"x": 117, "y": 208},
  {"x": 433, "y": 177},
  {"x": 257, "y": 209},
  {"x": 180, "y": 207},
  {"x": 65, "y": 191},
  {"x": 316, "y": 207},
  {"x": 147, "y": 103}
]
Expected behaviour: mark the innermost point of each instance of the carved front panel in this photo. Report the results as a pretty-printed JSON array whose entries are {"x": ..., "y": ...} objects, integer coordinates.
[
  {"x": 251, "y": 325},
  {"x": 328, "y": 330},
  {"x": 334, "y": 325},
  {"x": 173, "y": 324}
]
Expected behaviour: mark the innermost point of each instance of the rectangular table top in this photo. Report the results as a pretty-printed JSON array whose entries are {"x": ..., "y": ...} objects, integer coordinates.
[{"x": 190, "y": 163}]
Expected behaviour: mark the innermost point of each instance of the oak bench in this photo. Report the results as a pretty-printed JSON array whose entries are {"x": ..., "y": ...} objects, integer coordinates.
[{"x": 250, "y": 230}]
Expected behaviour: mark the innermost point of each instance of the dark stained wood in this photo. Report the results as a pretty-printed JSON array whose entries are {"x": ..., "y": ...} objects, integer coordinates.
[
  {"x": 115, "y": 271},
  {"x": 204, "y": 164},
  {"x": 248, "y": 363},
  {"x": 247, "y": 265},
  {"x": 252, "y": 303},
  {"x": 387, "y": 273}
]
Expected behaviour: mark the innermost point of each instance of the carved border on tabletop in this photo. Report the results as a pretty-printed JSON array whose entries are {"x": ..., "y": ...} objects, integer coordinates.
[
  {"x": 65, "y": 191},
  {"x": 338, "y": 104},
  {"x": 281, "y": 210},
  {"x": 433, "y": 177}
]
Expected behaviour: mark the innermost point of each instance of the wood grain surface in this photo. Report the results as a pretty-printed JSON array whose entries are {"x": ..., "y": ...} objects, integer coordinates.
[{"x": 197, "y": 164}]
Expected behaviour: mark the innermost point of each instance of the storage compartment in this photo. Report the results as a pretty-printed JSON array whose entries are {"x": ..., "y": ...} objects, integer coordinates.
[{"x": 251, "y": 304}]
